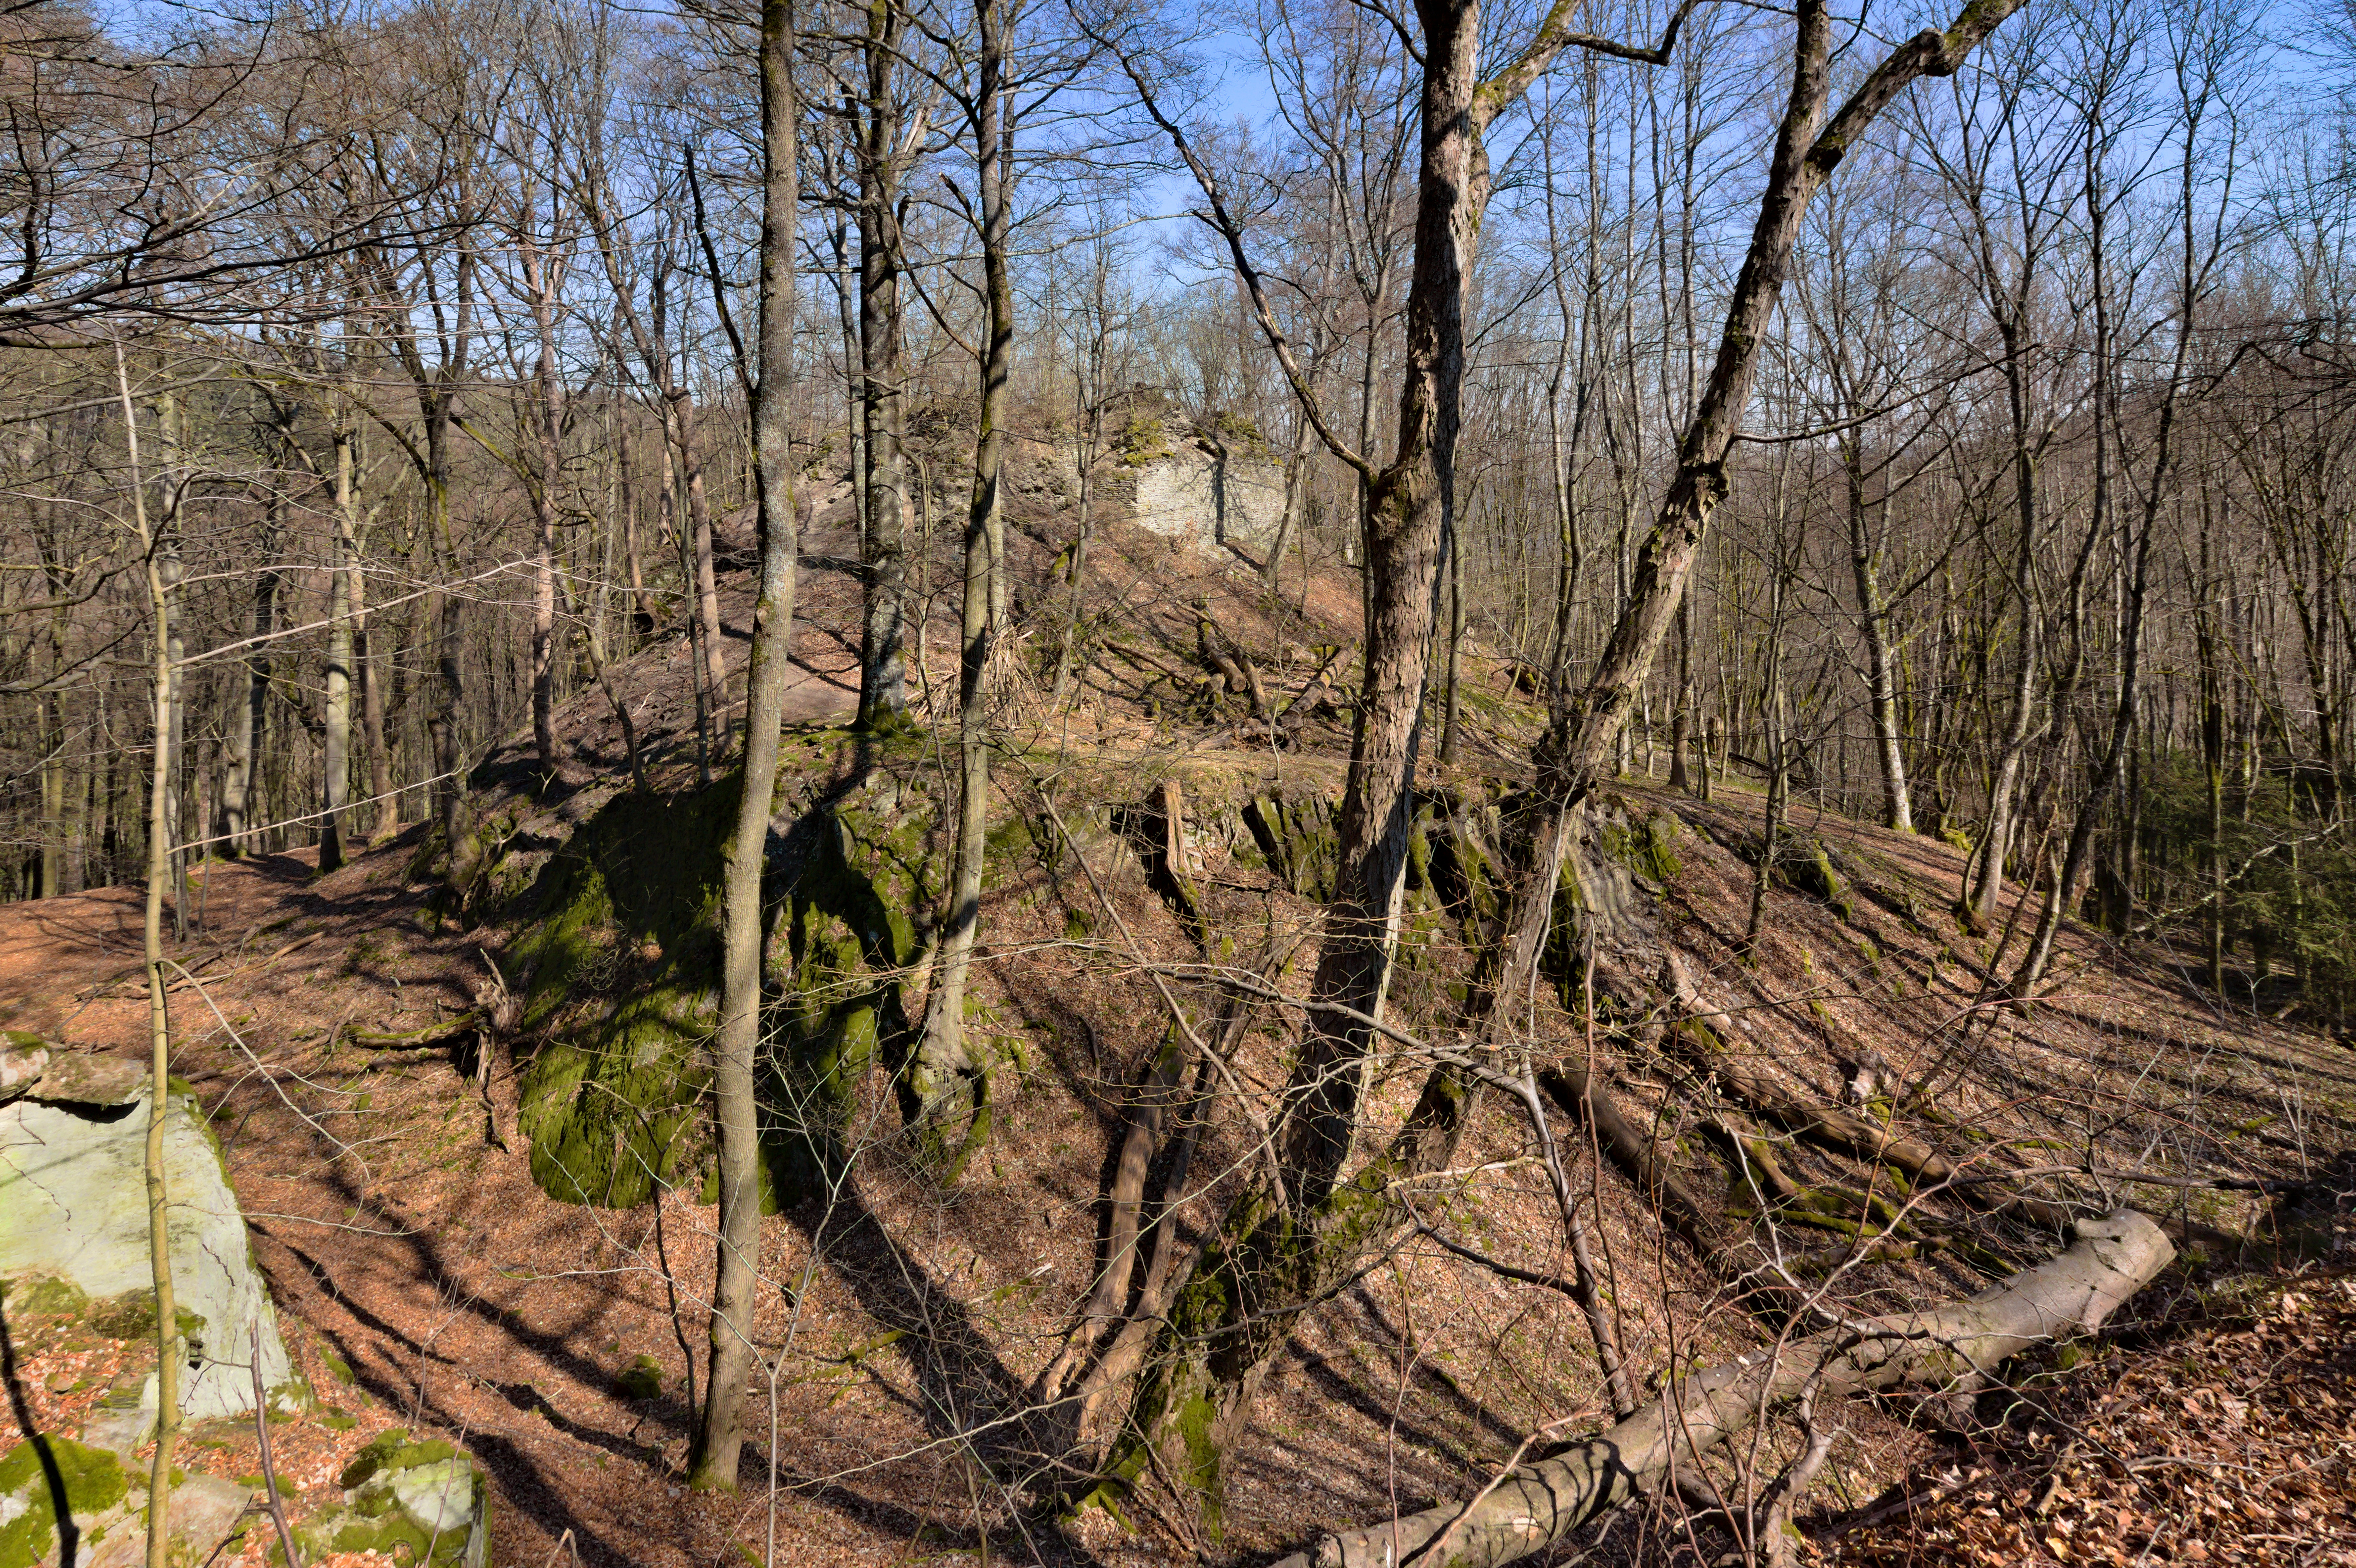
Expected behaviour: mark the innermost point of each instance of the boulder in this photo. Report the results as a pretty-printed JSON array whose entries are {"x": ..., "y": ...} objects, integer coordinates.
[
  {"x": 106, "y": 1502},
  {"x": 73, "y": 1208},
  {"x": 79, "y": 1078},
  {"x": 421, "y": 1497},
  {"x": 205, "y": 1511}
]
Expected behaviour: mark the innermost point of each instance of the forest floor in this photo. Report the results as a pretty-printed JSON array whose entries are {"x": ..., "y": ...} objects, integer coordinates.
[{"x": 402, "y": 1240}]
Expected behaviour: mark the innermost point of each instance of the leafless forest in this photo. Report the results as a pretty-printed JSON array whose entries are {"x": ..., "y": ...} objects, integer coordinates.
[{"x": 1142, "y": 783}]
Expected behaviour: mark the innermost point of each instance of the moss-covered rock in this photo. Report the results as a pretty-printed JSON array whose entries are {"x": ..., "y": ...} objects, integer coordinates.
[
  {"x": 410, "y": 1500},
  {"x": 393, "y": 1450},
  {"x": 1299, "y": 836},
  {"x": 619, "y": 969},
  {"x": 1466, "y": 868},
  {"x": 860, "y": 872},
  {"x": 641, "y": 1379},
  {"x": 1647, "y": 848},
  {"x": 30, "y": 1473}
]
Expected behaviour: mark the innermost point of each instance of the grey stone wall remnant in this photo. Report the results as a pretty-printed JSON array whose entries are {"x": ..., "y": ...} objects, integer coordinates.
[{"x": 1209, "y": 500}]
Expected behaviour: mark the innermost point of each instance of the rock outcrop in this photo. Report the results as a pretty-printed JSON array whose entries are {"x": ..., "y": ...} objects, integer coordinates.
[
  {"x": 73, "y": 1210},
  {"x": 407, "y": 1499},
  {"x": 1209, "y": 498}
]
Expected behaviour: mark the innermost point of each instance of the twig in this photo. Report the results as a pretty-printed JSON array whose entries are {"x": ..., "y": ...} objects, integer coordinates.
[{"x": 262, "y": 1438}]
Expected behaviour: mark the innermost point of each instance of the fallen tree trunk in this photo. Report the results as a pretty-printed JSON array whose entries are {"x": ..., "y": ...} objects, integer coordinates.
[
  {"x": 1874, "y": 1143},
  {"x": 423, "y": 1037},
  {"x": 1537, "y": 1504},
  {"x": 1569, "y": 1086},
  {"x": 1837, "y": 1130}
]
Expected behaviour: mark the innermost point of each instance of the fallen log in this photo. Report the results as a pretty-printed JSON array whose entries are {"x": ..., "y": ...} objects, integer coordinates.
[
  {"x": 423, "y": 1037},
  {"x": 1839, "y": 1130},
  {"x": 1570, "y": 1087},
  {"x": 1534, "y": 1505}
]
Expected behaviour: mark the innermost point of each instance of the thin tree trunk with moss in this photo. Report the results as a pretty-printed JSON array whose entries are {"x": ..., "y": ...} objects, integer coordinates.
[
  {"x": 880, "y": 474},
  {"x": 946, "y": 1083},
  {"x": 540, "y": 270},
  {"x": 443, "y": 609},
  {"x": 370, "y": 675},
  {"x": 1987, "y": 881},
  {"x": 161, "y": 556},
  {"x": 1866, "y": 545},
  {"x": 720, "y": 1436},
  {"x": 336, "y": 734},
  {"x": 251, "y": 691}
]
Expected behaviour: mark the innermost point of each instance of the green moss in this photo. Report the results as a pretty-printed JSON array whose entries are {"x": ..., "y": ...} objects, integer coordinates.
[
  {"x": 1139, "y": 441},
  {"x": 132, "y": 1315},
  {"x": 1301, "y": 841},
  {"x": 618, "y": 967},
  {"x": 45, "y": 1296},
  {"x": 391, "y": 1451},
  {"x": 1646, "y": 848},
  {"x": 629, "y": 907},
  {"x": 1195, "y": 1422},
  {"x": 1465, "y": 872},
  {"x": 94, "y": 1481},
  {"x": 641, "y": 1379},
  {"x": 392, "y": 1535},
  {"x": 859, "y": 870}
]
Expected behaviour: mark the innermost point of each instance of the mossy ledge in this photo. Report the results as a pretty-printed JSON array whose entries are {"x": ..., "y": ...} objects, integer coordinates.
[{"x": 617, "y": 963}]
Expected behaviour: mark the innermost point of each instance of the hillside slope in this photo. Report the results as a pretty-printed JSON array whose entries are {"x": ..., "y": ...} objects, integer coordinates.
[{"x": 410, "y": 1194}]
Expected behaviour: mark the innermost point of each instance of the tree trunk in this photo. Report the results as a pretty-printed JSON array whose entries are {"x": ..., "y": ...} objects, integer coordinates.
[
  {"x": 160, "y": 548},
  {"x": 1281, "y": 1243},
  {"x": 883, "y": 479},
  {"x": 336, "y": 740},
  {"x": 1987, "y": 882},
  {"x": 1455, "y": 650},
  {"x": 946, "y": 1083},
  {"x": 444, "y": 612},
  {"x": 707, "y": 584},
  {"x": 371, "y": 679},
  {"x": 1881, "y": 665},
  {"x": 540, "y": 277},
  {"x": 1534, "y": 1506},
  {"x": 1288, "y": 521},
  {"x": 1681, "y": 723},
  {"x": 248, "y": 711},
  {"x": 720, "y": 1435}
]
